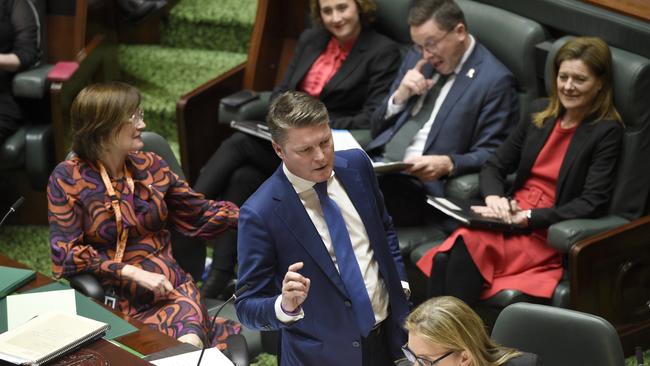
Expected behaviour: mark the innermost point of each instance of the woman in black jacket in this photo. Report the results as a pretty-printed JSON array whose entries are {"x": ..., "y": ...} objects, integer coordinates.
[
  {"x": 565, "y": 163},
  {"x": 18, "y": 51}
]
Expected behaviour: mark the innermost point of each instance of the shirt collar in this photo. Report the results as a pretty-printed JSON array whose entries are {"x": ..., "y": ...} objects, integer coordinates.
[
  {"x": 336, "y": 48},
  {"x": 468, "y": 51},
  {"x": 299, "y": 184}
]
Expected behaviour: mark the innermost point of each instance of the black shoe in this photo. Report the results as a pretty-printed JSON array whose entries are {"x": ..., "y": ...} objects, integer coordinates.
[{"x": 215, "y": 284}]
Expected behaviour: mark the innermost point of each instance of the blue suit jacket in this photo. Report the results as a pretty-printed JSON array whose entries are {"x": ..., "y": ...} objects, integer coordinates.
[
  {"x": 475, "y": 118},
  {"x": 276, "y": 231}
]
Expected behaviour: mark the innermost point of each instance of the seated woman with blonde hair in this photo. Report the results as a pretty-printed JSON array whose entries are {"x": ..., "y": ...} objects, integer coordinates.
[{"x": 444, "y": 331}]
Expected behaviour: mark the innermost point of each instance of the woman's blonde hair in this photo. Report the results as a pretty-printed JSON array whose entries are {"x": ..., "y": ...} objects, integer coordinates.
[
  {"x": 450, "y": 323},
  {"x": 98, "y": 113},
  {"x": 595, "y": 54},
  {"x": 367, "y": 10}
]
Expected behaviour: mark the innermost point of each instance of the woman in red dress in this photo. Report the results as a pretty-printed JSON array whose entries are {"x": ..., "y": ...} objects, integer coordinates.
[{"x": 564, "y": 161}]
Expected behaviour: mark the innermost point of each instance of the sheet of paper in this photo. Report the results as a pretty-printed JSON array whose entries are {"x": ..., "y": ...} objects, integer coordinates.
[
  {"x": 211, "y": 357},
  {"x": 21, "y": 308},
  {"x": 343, "y": 140},
  {"x": 448, "y": 203}
]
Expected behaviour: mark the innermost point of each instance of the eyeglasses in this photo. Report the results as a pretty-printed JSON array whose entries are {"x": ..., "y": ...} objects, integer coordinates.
[
  {"x": 431, "y": 46},
  {"x": 137, "y": 116},
  {"x": 422, "y": 361}
]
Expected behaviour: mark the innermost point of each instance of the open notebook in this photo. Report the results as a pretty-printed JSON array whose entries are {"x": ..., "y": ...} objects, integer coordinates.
[{"x": 48, "y": 336}]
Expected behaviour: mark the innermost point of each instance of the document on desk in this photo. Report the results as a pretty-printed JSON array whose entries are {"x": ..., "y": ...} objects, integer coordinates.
[
  {"x": 211, "y": 357},
  {"x": 48, "y": 336},
  {"x": 23, "y": 307}
]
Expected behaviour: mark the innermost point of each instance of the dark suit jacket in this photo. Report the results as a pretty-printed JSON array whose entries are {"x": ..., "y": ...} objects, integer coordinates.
[
  {"x": 275, "y": 231},
  {"x": 358, "y": 87},
  {"x": 587, "y": 174},
  {"x": 474, "y": 119}
]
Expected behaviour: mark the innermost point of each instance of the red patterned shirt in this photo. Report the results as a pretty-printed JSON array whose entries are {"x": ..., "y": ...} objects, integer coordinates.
[{"x": 325, "y": 66}]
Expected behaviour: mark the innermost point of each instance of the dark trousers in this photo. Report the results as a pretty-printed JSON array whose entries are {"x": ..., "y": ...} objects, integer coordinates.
[
  {"x": 376, "y": 348},
  {"x": 405, "y": 197},
  {"x": 10, "y": 116},
  {"x": 220, "y": 174},
  {"x": 455, "y": 274},
  {"x": 234, "y": 172}
]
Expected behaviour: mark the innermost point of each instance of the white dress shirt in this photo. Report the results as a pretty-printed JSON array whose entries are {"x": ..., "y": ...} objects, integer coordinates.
[
  {"x": 416, "y": 148},
  {"x": 358, "y": 236}
]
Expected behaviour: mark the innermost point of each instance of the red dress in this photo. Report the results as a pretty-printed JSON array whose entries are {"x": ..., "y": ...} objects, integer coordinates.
[{"x": 522, "y": 262}]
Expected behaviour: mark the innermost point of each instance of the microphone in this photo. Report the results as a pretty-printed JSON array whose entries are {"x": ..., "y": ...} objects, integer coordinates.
[
  {"x": 13, "y": 208},
  {"x": 232, "y": 298}
]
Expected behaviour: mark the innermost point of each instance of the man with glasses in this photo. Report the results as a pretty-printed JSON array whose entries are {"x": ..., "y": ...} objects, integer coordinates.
[{"x": 451, "y": 104}]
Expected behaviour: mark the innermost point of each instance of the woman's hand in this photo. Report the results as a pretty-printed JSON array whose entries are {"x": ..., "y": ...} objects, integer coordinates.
[
  {"x": 155, "y": 282},
  {"x": 501, "y": 207},
  {"x": 520, "y": 219}
]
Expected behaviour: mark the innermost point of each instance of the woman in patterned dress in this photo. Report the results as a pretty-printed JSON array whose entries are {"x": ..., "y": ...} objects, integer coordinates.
[
  {"x": 110, "y": 208},
  {"x": 565, "y": 164}
]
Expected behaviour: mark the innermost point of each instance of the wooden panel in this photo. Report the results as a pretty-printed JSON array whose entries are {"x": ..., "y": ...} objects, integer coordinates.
[
  {"x": 268, "y": 40},
  {"x": 634, "y": 8},
  {"x": 66, "y": 34},
  {"x": 96, "y": 63},
  {"x": 610, "y": 277},
  {"x": 199, "y": 133}
]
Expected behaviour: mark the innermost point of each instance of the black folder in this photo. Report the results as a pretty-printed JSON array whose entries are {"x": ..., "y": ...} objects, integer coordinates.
[{"x": 461, "y": 212}]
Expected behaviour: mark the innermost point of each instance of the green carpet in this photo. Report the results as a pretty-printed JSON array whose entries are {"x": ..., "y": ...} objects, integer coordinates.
[
  {"x": 163, "y": 76},
  {"x": 223, "y": 25},
  {"x": 200, "y": 40},
  {"x": 27, "y": 244}
]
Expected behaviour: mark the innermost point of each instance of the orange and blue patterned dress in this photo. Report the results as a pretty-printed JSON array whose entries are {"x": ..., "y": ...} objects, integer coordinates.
[{"x": 83, "y": 238}]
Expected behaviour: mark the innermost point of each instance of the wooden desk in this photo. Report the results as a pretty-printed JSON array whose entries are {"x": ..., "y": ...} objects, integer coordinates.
[{"x": 145, "y": 340}]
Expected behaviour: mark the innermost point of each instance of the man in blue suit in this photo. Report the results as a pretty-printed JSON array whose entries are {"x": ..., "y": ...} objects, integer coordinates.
[
  {"x": 450, "y": 106},
  {"x": 317, "y": 249}
]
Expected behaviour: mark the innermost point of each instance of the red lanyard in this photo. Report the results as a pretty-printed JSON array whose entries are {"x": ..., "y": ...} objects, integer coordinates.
[{"x": 122, "y": 232}]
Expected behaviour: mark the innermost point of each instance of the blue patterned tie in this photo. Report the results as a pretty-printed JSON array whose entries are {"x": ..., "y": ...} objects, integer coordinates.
[{"x": 347, "y": 262}]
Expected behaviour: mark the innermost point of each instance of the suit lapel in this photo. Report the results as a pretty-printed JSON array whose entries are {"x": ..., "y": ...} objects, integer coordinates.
[
  {"x": 310, "y": 54},
  {"x": 534, "y": 146},
  {"x": 461, "y": 83},
  {"x": 291, "y": 211},
  {"x": 349, "y": 65}
]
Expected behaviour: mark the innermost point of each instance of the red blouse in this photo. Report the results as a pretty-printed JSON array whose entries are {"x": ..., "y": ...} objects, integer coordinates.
[{"x": 325, "y": 66}]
